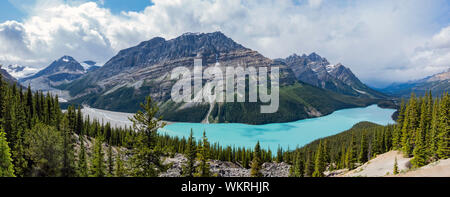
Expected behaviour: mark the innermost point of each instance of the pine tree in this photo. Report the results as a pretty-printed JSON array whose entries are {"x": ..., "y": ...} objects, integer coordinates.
[
  {"x": 443, "y": 149},
  {"x": 120, "y": 167},
  {"x": 68, "y": 168},
  {"x": 189, "y": 168},
  {"x": 351, "y": 152},
  {"x": 279, "y": 154},
  {"x": 342, "y": 163},
  {"x": 396, "y": 166},
  {"x": 298, "y": 169},
  {"x": 434, "y": 131},
  {"x": 419, "y": 151},
  {"x": 82, "y": 166},
  {"x": 19, "y": 156},
  {"x": 6, "y": 165},
  {"x": 256, "y": 162},
  {"x": 405, "y": 139},
  {"x": 145, "y": 161},
  {"x": 363, "y": 150},
  {"x": 397, "y": 135},
  {"x": 203, "y": 170},
  {"x": 45, "y": 150},
  {"x": 110, "y": 161},
  {"x": 320, "y": 164},
  {"x": 309, "y": 166},
  {"x": 98, "y": 160}
]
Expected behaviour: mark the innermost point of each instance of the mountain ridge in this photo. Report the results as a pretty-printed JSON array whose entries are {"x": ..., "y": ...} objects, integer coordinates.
[
  {"x": 63, "y": 70},
  {"x": 317, "y": 71},
  {"x": 437, "y": 84},
  {"x": 143, "y": 70}
]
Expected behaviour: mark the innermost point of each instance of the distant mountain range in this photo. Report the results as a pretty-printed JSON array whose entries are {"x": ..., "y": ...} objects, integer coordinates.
[
  {"x": 19, "y": 72},
  {"x": 310, "y": 86},
  {"x": 61, "y": 71},
  {"x": 6, "y": 76},
  {"x": 437, "y": 84}
]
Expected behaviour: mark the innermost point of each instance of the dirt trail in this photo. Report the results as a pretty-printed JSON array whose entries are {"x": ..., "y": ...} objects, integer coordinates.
[{"x": 382, "y": 165}]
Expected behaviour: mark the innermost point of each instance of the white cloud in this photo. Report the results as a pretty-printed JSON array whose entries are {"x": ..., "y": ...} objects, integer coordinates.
[
  {"x": 379, "y": 40},
  {"x": 314, "y": 3}
]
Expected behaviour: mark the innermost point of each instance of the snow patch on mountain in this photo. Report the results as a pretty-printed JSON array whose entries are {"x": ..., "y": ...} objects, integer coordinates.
[
  {"x": 330, "y": 67},
  {"x": 19, "y": 72}
]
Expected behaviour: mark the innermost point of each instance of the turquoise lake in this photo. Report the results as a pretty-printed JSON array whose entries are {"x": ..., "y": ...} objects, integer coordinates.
[{"x": 287, "y": 135}]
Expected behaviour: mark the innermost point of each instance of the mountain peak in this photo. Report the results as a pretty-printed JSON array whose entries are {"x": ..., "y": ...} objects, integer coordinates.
[{"x": 66, "y": 58}]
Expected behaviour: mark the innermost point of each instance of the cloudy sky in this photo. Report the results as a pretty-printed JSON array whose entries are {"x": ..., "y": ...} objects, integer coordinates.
[{"x": 382, "y": 41}]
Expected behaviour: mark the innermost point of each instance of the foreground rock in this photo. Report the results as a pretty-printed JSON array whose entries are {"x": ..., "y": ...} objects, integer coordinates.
[{"x": 226, "y": 169}]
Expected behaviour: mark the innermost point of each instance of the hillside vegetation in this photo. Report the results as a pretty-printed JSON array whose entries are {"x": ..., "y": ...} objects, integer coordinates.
[{"x": 422, "y": 132}]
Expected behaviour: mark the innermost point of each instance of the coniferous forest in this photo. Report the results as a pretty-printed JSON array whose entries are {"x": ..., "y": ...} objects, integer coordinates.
[
  {"x": 38, "y": 139},
  {"x": 421, "y": 132}
]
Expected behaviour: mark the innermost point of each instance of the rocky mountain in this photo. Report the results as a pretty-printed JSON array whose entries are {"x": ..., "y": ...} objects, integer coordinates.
[
  {"x": 61, "y": 71},
  {"x": 6, "y": 76},
  {"x": 437, "y": 84},
  {"x": 134, "y": 73},
  {"x": 89, "y": 65},
  {"x": 317, "y": 71}
]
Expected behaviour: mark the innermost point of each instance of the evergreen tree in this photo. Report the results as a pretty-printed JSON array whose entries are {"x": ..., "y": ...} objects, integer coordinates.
[
  {"x": 396, "y": 166},
  {"x": 98, "y": 160},
  {"x": 350, "y": 159},
  {"x": 320, "y": 164},
  {"x": 256, "y": 162},
  {"x": 362, "y": 158},
  {"x": 6, "y": 165},
  {"x": 279, "y": 154},
  {"x": 434, "y": 132},
  {"x": 120, "y": 167},
  {"x": 203, "y": 170},
  {"x": 110, "y": 161},
  {"x": 68, "y": 168},
  {"x": 397, "y": 135},
  {"x": 45, "y": 149},
  {"x": 419, "y": 152},
  {"x": 309, "y": 167},
  {"x": 189, "y": 168},
  {"x": 146, "y": 159},
  {"x": 443, "y": 149},
  {"x": 298, "y": 169},
  {"x": 82, "y": 166},
  {"x": 19, "y": 156}
]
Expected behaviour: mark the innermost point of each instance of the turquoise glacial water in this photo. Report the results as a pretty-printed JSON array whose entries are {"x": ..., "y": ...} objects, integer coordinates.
[{"x": 287, "y": 135}]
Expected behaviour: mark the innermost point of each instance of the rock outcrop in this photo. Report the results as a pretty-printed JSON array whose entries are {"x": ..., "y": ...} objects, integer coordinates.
[{"x": 226, "y": 169}]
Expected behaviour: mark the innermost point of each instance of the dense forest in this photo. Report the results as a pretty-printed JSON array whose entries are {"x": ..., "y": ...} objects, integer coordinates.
[
  {"x": 422, "y": 132},
  {"x": 38, "y": 139}
]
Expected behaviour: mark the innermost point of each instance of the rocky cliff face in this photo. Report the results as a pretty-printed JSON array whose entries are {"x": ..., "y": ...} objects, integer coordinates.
[{"x": 317, "y": 71}]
